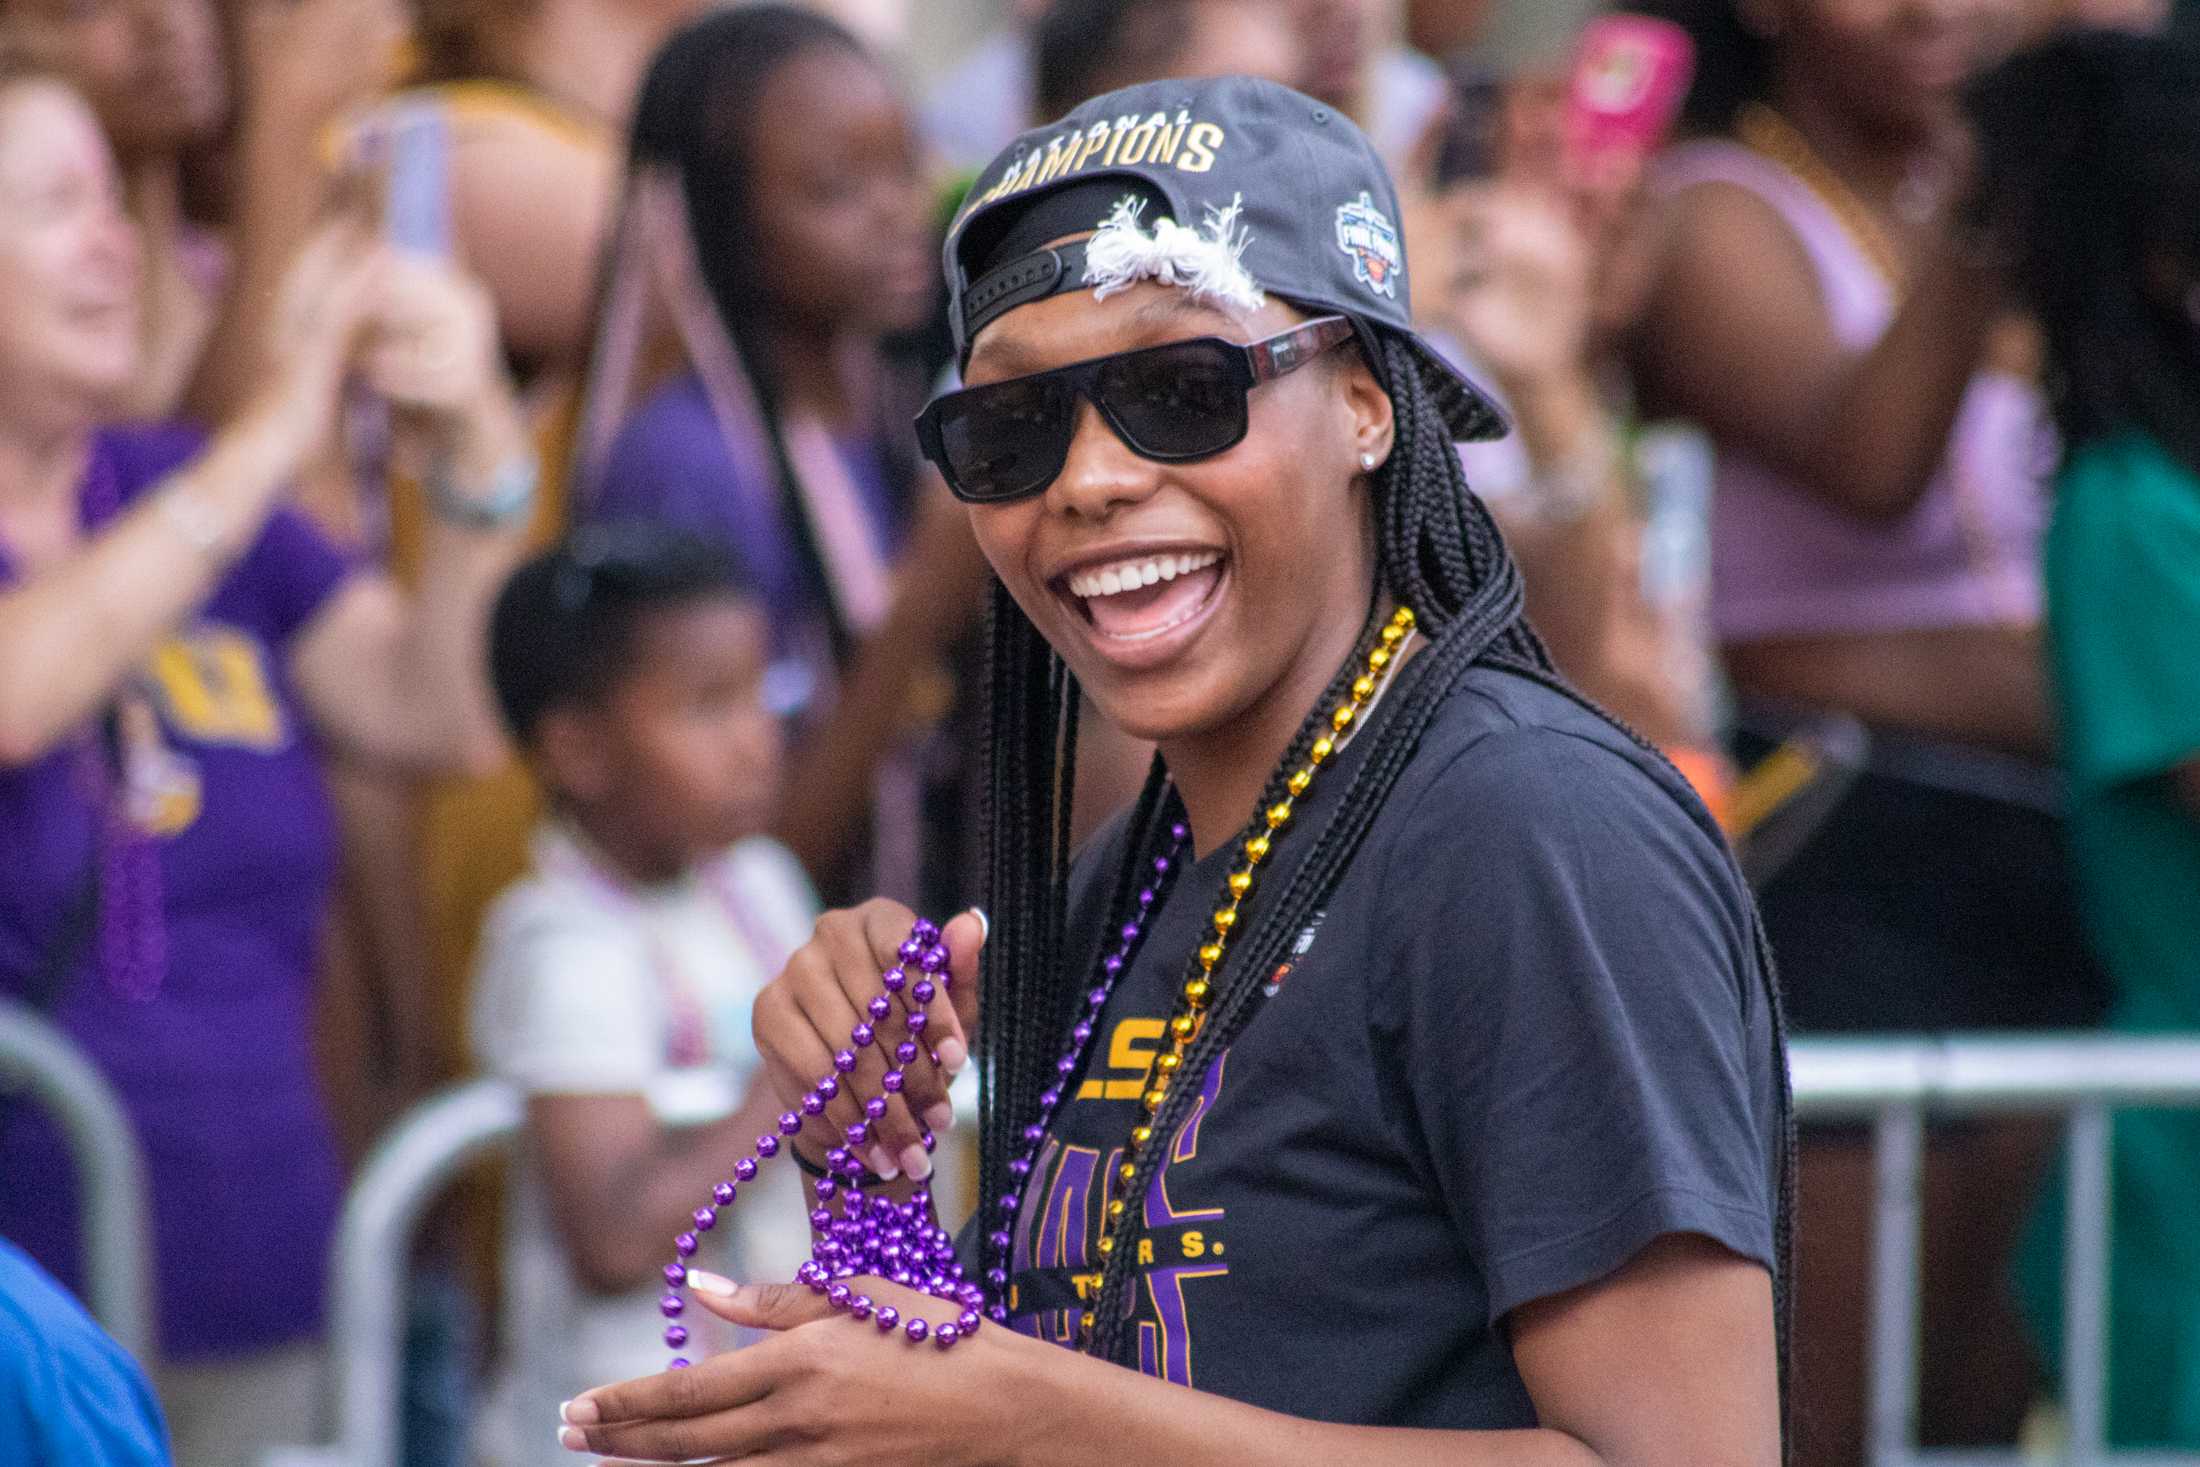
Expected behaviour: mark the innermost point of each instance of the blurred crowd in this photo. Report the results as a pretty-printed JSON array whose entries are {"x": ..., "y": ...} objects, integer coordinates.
[{"x": 469, "y": 593}]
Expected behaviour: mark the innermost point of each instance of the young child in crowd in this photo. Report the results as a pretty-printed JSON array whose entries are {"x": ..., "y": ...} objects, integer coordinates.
[{"x": 615, "y": 979}]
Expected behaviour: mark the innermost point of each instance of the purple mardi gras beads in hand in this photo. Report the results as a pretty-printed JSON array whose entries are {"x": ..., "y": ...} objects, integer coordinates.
[
  {"x": 902, "y": 1242},
  {"x": 856, "y": 1234}
]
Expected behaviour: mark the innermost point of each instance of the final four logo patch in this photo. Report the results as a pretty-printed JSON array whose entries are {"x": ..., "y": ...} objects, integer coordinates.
[{"x": 1372, "y": 242}]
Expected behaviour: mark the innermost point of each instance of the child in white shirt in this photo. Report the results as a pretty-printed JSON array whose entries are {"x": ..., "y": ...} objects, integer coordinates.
[{"x": 616, "y": 978}]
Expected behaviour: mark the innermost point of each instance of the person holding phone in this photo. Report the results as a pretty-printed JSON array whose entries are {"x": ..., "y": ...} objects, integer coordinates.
[
  {"x": 1407, "y": 1056},
  {"x": 1525, "y": 252},
  {"x": 178, "y": 650},
  {"x": 1825, "y": 306}
]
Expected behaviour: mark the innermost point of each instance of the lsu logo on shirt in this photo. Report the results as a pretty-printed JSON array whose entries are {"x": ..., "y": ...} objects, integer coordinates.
[
  {"x": 210, "y": 683},
  {"x": 213, "y": 687}
]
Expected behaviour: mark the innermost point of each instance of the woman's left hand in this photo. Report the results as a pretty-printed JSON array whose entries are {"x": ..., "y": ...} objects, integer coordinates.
[
  {"x": 825, "y": 1389},
  {"x": 433, "y": 355},
  {"x": 1519, "y": 286}
]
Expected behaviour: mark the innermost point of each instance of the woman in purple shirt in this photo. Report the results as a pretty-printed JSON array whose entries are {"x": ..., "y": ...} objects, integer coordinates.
[{"x": 176, "y": 650}]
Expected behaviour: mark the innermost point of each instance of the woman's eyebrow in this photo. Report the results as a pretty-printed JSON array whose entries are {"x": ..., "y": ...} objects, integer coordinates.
[
  {"x": 1172, "y": 308},
  {"x": 1004, "y": 352},
  {"x": 1157, "y": 312}
]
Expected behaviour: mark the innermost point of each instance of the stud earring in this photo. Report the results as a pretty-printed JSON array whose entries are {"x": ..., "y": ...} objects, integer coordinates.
[{"x": 1367, "y": 462}]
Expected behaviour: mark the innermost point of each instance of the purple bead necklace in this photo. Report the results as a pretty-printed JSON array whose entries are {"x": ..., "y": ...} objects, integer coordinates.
[
  {"x": 902, "y": 1242},
  {"x": 132, "y": 934},
  {"x": 865, "y": 1236},
  {"x": 1112, "y": 968}
]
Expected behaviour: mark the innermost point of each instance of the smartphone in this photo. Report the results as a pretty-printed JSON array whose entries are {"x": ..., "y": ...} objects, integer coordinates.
[
  {"x": 1472, "y": 140},
  {"x": 1630, "y": 77},
  {"x": 416, "y": 212}
]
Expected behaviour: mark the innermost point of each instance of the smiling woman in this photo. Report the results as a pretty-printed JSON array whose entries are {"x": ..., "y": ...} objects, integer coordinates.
[
  {"x": 178, "y": 649},
  {"x": 1409, "y": 1053}
]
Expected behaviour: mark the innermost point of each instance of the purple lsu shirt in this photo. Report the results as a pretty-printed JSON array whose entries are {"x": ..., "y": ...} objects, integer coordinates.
[
  {"x": 215, "y": 1068},
  {"x": 672, "y": 463}
]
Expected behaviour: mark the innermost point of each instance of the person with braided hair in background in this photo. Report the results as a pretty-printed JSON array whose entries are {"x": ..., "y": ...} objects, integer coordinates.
[
  {"x": 1395, "y": 1120},
  {"x": 1821, "y": 308},
  {"x": 2100, "y": 221}
]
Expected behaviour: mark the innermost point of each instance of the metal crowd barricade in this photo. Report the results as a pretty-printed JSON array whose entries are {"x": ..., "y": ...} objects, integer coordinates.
[
  {"x": 408, "y": 1170},
  {"x": 110, "y": 1169},
  {"x": 1894, "y": 1083},
  {"x": 420, "y": 1156},
  {"x": 1897, "y": 1084}
]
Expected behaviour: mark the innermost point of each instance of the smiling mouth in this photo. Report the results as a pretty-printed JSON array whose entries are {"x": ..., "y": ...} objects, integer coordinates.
[{"x": 1139, "y": 598}]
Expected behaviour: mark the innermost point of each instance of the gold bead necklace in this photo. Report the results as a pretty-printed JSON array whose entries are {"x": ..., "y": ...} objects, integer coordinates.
[
  {"x": 1191, "y": 1012},
  {"x": 1765, "y": 132}
]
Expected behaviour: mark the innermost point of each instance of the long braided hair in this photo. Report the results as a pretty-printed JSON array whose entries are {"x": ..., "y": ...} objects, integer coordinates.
[
  {"x": 695, "y": 113},
  {"x": 2098, "y": 213},
  {"x": 1437, "y": 551}
]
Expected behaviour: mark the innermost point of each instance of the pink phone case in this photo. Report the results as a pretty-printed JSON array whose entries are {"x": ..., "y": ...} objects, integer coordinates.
[{"x": 1628, "y": 85}]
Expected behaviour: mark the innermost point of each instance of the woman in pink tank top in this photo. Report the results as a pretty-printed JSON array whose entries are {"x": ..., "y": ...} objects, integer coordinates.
[{"x": 1882, "y": 448}]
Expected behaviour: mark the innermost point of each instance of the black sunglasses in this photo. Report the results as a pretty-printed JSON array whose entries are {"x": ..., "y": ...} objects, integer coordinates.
[{"x": 1174, "y": 403}]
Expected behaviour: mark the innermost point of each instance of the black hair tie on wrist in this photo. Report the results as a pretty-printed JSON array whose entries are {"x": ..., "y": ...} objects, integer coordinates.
[{"x": 817, "y": 1173}]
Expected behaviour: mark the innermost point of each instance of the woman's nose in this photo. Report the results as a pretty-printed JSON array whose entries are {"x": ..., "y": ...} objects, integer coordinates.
[
  {"x": 114, "y": 240},
  {"x": 1101, "y": 473}
]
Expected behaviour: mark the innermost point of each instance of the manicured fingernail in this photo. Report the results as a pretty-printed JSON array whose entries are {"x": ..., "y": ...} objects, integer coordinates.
[
  {"x": 580, "y": 1411},
  {"x": 953, "y": 1056},
  {"x": 572, "y": 1440},
  {"x": 709, "y": 1283},
  {"x": 941, "y": 1116},
  {"x": 985, "y": 924},
  {"x": 882, "y": 1166},
  {"x": 915, "y": 1162}
]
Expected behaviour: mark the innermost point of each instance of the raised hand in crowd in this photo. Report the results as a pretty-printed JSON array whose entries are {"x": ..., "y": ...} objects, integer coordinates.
[
  {"x": 58, "y": 665},
  {"x": 1515, "y": 275},
  {"x": 398, "y": 677},
  {"x": 303, "y": 66}
]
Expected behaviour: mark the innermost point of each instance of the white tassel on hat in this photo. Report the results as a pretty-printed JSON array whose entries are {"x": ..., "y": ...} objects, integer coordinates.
[{"x": 1204, "y": 261}]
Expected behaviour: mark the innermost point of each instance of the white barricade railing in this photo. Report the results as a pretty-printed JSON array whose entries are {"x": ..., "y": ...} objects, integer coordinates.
[
  {"x": 1894, "y": 1083},
  {"x": 37, "y": 1058},
  {"x": 1897, "y": 1084},
  {"x": 408, "y": 1170}
]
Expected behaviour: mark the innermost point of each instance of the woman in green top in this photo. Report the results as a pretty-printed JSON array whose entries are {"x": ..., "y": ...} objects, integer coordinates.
[{"x": 2090, "y": 155}]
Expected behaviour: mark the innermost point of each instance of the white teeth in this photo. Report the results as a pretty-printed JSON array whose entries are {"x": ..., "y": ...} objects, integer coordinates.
[{"x": 1132, "y": 575}]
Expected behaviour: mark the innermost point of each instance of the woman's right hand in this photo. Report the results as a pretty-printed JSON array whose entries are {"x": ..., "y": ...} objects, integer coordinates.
[
  {"x": 327, "y": 296},
  {"x": 803, "y": 1018}
]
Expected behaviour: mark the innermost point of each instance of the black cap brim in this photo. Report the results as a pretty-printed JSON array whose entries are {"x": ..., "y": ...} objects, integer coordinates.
[{"x": 1471, "y": 414}]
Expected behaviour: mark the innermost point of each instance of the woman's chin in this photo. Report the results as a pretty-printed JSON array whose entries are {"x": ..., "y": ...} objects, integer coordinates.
[{"x": 1164, "y": 710}]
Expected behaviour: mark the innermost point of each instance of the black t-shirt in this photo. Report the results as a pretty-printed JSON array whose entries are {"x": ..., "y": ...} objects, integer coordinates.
[{"x": 1526, "y": 1036}]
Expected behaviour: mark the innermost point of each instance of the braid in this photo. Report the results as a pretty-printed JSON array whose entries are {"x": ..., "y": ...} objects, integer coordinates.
[
  {"x": 1025, "y": 889},
  {"x": 1521, "y": 652},
  {"x": 1422, "y": 502},
  {"x": 1439, "y": 552}
]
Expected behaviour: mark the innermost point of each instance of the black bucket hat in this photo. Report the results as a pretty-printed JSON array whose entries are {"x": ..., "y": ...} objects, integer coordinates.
[{"x": 1317, "y": 209}]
